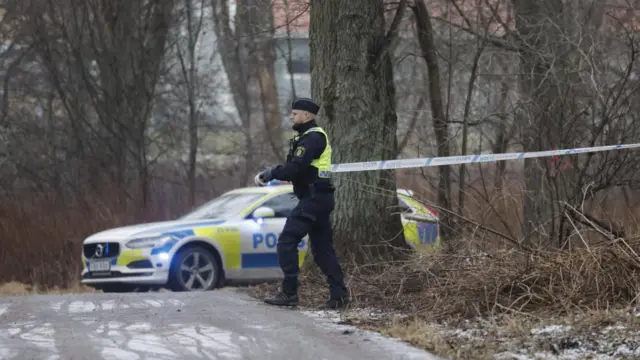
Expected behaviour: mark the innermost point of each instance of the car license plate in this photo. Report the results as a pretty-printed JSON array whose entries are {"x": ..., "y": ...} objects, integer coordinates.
[{"x": 100, "y": 266}]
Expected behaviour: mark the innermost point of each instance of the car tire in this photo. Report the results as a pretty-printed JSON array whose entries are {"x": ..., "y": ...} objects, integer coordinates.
[{"x": 207, "y": 266}]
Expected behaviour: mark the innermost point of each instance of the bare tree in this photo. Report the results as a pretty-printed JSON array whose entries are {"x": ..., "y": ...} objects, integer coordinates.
[
  {"x": 572, "y": 91},
  {"x": 103, "y": 59},
  {"x": 440, "y": 122},
  {"x": 262, "y": 51},
  {"x": 248, "y": 56},
  {"x": 194, "y": 13}
]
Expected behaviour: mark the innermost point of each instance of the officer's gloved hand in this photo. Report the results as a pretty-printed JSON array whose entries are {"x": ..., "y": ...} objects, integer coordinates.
[
  {"x": 258, "y": 181},
  {"x": 263, "y": 177}
]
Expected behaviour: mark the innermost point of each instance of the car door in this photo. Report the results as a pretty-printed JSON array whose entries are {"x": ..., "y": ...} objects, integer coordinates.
[{"x": 260, "y": 245}]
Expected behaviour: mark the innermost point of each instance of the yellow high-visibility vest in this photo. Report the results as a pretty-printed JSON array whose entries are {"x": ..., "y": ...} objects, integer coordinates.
[{"x": 323, "y": 162}]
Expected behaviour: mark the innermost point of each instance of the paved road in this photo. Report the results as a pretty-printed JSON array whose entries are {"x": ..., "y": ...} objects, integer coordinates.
[{"x": 213, "y": 325}]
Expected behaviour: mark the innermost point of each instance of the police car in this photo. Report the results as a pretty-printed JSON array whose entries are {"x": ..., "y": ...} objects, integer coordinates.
[{"x": 231, "y": 238}]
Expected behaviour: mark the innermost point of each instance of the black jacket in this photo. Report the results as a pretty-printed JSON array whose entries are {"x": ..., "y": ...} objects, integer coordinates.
[{"x": 303, "y": 149}]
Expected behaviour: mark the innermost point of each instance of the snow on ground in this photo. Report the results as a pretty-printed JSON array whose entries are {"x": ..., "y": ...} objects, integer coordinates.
[
  {"x": 590, "y": 338},
  {"x": 333, "y": 320},
  {"x": 602, "y": 343}
]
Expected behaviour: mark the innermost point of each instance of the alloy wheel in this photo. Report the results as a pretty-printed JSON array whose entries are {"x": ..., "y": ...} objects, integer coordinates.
[{"x": 197, "y": 271}]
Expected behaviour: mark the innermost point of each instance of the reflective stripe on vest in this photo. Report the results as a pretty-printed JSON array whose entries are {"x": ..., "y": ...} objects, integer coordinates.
[{"x": 323, "y": 162}]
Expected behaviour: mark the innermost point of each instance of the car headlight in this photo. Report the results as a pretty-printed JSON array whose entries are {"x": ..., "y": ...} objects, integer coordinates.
[{"x": 150, "y": 242}]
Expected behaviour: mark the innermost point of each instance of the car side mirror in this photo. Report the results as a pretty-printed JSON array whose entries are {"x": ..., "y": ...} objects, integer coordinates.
[{"x": 264, "y": 212}]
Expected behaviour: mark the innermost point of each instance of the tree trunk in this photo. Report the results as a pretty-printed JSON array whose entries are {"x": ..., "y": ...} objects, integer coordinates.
[
  {"x": 440, "y": 125},
  {"x": 232, "y": 48},
  {"x": 503, "y": 136},
  {"x": 352, "y": 79},
  {"x": 264, "y": 54},
  {"x": 193, "y": 31},
  {"x": 465, "y": 127}
]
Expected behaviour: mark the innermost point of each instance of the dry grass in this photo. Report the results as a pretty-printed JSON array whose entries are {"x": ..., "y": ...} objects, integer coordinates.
[
  {"x": 583, "y": 335},
  {"x": 421, "y": 334},
  {"x": 42, "y": 244}
]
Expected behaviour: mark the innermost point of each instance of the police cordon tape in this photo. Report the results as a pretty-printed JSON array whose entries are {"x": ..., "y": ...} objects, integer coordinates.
[{"x": 468, "y": 159}]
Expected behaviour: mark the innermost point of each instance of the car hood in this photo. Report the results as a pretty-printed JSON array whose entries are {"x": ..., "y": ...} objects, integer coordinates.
[{"x": 150, "y": 229}]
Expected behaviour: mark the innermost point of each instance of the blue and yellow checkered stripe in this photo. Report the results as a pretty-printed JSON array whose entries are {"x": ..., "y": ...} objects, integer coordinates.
[{"x": 229, "y": 241}]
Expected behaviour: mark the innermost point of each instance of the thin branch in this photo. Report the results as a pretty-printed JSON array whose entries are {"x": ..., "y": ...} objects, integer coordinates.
[{"x": 392, "y": 32}]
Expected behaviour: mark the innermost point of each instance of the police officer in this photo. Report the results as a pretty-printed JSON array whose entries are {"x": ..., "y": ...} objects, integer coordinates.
[{"x": 308, "y": 167}]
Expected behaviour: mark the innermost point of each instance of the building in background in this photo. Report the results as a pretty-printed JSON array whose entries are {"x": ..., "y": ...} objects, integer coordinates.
[{"x": 293, "y": 61}]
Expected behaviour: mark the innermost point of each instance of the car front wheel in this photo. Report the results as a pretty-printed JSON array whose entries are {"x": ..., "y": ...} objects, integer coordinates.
[{"x": 194, "y": 269}]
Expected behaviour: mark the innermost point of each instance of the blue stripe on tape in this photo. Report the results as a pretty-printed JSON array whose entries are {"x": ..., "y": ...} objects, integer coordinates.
[
  {"x": 457, "y": 159},
  {"x": 259, "y": 260}
]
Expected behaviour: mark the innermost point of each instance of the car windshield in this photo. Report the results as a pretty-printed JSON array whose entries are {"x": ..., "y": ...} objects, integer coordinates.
[{"x": 223, "y": 206}]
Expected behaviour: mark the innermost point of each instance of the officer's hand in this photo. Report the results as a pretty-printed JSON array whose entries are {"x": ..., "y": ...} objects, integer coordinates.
[
  {"x": 265, "y": 175},
  {"x": 258, "y": 180}
]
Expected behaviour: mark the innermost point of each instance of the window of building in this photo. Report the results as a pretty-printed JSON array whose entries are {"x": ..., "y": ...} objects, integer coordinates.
[{"x": 299, "y": 66}]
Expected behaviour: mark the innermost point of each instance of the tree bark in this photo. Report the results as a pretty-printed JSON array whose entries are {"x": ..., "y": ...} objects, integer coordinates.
[
  {"x": 352, "y": 79},
  {"x": 503, "y": 136}
]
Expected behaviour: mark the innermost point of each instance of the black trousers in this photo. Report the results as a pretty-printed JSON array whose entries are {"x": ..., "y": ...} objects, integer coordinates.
[{"x": 311, "y": 216}]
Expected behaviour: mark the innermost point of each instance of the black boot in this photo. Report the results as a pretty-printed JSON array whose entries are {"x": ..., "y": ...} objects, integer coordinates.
[
  {"x": 282, "y": 299},
  {"x": 335, "y": 303}
]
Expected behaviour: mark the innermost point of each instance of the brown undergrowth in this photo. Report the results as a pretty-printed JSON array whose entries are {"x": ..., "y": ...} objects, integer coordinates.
[
  {"x": 509, "y": 291},
  {"x": 475, "y": 283},
  {"x": 41, "y": 234}
]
